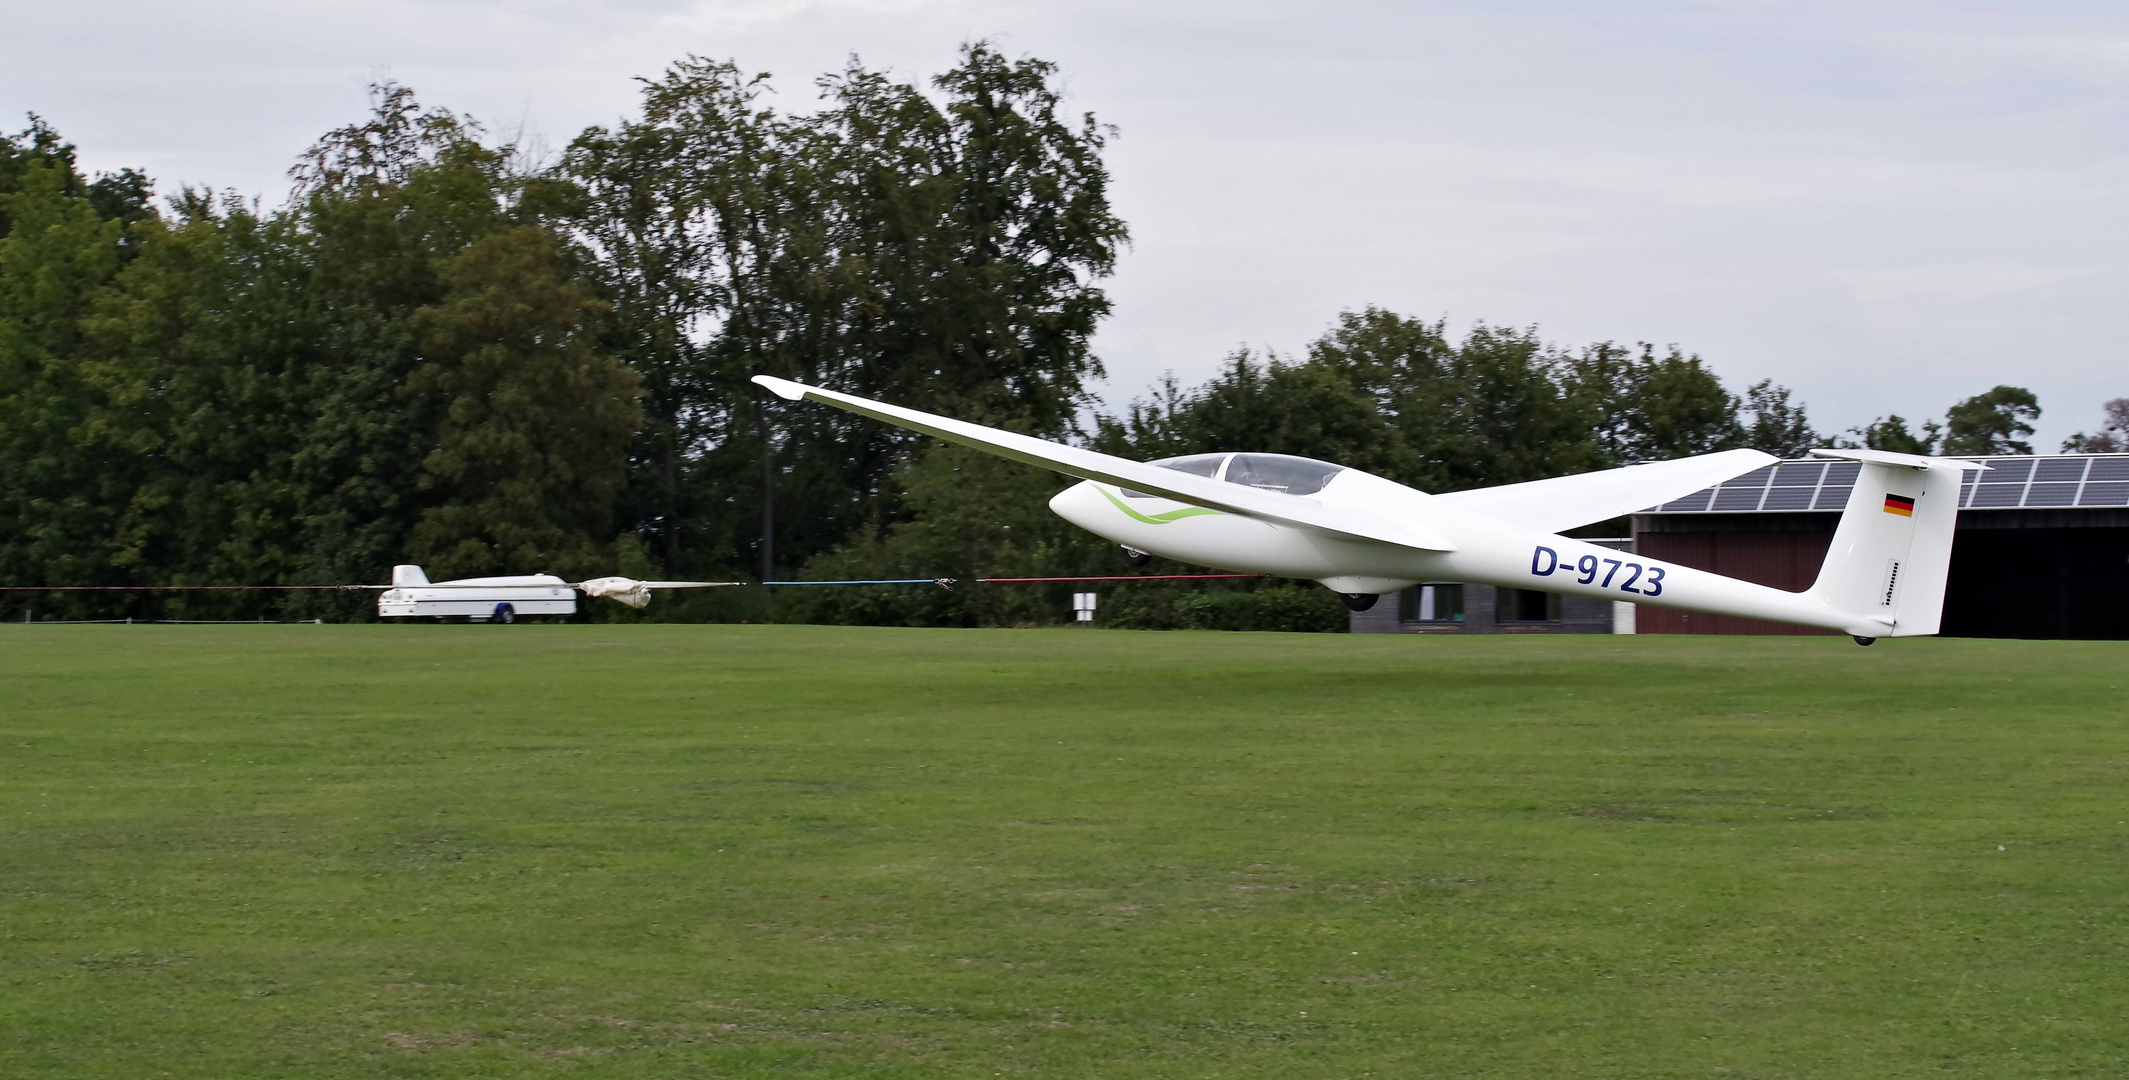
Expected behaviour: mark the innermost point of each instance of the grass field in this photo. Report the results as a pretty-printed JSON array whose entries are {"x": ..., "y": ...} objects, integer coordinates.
[{"x": 695, "y": 851}]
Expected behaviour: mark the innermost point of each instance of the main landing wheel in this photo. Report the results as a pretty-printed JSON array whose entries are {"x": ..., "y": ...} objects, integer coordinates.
[
  {"x": 1861, "y": 640},
  {"x": 1358, "y": 601},
  {"x": 1136, "y": 557}
]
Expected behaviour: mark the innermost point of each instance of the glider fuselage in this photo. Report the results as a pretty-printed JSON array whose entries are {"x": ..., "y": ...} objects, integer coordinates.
[
  {"x": 1487, "y": 551},
  {"x": 1884, "y": 573}
]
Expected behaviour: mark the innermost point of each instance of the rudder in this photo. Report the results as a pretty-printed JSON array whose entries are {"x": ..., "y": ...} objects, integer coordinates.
[{"x": 1892, "y": 551}]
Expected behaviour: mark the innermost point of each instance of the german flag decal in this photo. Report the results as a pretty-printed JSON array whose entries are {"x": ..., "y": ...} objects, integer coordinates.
[{"x": 1900, "y": 504}]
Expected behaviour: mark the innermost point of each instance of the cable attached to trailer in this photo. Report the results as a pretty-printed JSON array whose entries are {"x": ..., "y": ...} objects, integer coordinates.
[{"x": 944, "y": 583}]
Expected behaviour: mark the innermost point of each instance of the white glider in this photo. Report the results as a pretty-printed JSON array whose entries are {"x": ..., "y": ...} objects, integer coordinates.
[
  {"x": 1362, "y": 536},
  {"x": 503, "y": 599}
]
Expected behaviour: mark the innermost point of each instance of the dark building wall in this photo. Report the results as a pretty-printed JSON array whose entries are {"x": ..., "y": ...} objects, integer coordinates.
[
  {"x": 2015, "y": 573},
  {"x": 1578, "y": 615},
  {"x": 2039, "y": 583},
  {"x": 1484, "y": 608},
  {"x": 1787, "y": 559},
  {"x": 1380, "y": 619},
  {"x": 1481, "y": 609},
  {"x": 1492, "y": 610}
]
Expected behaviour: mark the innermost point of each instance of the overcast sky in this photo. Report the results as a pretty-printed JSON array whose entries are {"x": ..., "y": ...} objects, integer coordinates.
[{"x": 1886, "y": 206}]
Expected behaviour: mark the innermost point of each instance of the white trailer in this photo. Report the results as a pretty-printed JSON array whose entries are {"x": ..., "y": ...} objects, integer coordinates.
[{"x": 486, "y": 599}]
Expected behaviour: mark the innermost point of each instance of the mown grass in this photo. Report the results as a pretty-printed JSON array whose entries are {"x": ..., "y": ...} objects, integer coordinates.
[{"x": 689, "y": 851}]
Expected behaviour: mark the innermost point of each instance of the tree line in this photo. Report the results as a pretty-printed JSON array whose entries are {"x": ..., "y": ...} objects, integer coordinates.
[{"x": 440, "y": 350}]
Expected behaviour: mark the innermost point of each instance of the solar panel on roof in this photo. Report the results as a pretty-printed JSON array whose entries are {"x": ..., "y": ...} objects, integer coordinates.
[
  {"x": 2013, "y": 471},
  {"x": 2100, "y": 480},
  {"x": 2054, "y": 469},
  {"x": 2051, "y": 495},
  {"x": 1789, "y": 498}
]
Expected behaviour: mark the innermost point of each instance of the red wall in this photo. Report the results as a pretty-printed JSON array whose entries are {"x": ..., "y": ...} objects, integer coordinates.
[{"x": 1784, "y": 560}]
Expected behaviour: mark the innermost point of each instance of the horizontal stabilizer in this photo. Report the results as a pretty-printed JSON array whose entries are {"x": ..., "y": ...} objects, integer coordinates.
[
  {"x": 1565, "y": 502},
  {"x": 1912, "y": 461},
  {"x": 1086, "y": 464}
]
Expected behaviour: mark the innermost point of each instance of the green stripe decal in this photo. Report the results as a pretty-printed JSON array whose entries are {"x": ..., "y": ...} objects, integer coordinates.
[{"x": 1157, "y": 519}]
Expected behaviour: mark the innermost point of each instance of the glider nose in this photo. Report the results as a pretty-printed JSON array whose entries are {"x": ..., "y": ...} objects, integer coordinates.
[{"x": 1081, "y": 505}]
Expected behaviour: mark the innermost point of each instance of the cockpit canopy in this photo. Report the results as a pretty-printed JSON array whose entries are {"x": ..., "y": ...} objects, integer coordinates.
[{"x": 1268, "y": 472}]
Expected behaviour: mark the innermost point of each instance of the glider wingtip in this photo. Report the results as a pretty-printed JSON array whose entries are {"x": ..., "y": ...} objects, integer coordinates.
[{"x": 783, "y": 388}]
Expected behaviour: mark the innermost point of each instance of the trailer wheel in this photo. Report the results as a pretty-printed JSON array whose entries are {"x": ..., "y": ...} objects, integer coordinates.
[{"x": 504, "y": 613}]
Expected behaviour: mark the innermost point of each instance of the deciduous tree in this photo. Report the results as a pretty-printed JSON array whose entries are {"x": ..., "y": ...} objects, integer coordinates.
[
  {"x": 58, "y": 497},
  {"x": 1992, "y": 423},
  {"x": 1891, "y": 433},
  {"x": 530, "y": 450},
  {"x": 1650, "y": 407},
  {"x": 1499, "y": 408},
  {"x": 2112, "y": 436},
  {"x": 1269, "y": 405},
  {"x": 1776, "y": 426}
]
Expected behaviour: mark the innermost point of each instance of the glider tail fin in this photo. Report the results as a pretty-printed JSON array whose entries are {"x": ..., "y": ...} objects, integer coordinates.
[{"x": 1892, "y": 551}]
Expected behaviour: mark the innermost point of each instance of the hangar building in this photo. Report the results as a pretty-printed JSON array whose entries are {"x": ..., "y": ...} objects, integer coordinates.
[
  {"x": 2041, "y": 551},
  {"x": 1445, "y": 607}
]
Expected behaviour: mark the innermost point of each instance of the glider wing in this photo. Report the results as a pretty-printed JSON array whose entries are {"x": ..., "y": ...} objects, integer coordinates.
[
  {"x": 1564, "y": 502},
  {"x": 638, "y": 593},
  {"x": 1086, "y": 464}
]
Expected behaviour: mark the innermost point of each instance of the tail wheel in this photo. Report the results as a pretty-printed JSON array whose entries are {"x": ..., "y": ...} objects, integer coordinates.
[
  {"x": 1136, "y": 557},
  {"x": 1358, "y": 601}
]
